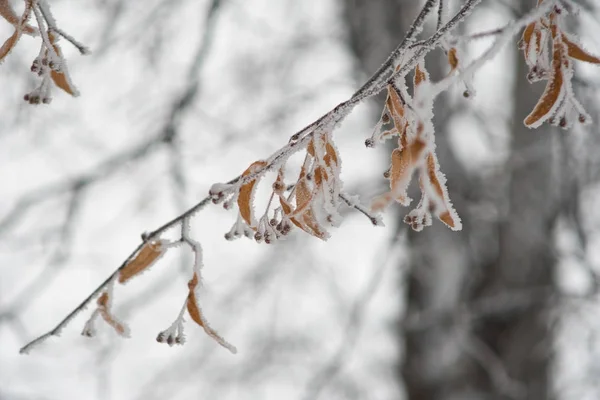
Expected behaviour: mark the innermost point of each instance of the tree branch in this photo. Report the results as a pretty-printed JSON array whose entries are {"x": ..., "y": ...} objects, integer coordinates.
[{"x": 378, "y": 82}]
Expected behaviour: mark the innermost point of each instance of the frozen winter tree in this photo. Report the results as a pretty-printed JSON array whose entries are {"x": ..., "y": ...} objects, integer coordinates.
[{"x": 481, "y": 303}]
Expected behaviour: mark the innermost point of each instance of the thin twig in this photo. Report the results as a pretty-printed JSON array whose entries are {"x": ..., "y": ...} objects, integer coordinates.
[
  {"x": 45, "y": 10},
  {"x": 480, "y": 35},
  {"x": 375, "y": 220},
  {"x": 441, "y": 12},
  {"x": 491, "y": 362}
]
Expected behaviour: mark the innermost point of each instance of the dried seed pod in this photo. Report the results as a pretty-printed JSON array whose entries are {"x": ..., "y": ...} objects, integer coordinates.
[
  {"x": 87, "y": 333},
  {"x": 563, "y": 122},
  {"x": 278, "y": 186}
]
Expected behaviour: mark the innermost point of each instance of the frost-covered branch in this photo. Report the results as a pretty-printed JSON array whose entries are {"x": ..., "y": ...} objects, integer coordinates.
[
  {"x": 325, "y": 156},
  {"x": 310, "y": 201}
]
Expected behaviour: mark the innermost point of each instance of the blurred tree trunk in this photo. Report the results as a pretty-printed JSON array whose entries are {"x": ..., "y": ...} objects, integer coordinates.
[{"x": 499, "y": 273}]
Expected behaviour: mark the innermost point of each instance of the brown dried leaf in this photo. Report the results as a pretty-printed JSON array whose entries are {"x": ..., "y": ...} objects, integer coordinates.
[
  {"x": 305, "y": 220},
  {"x": 61, "y": 79},
  {"x": 403, "y": 165},
  {"x": 310, "y": 149},
  {"x": 394, "y": 102},
  {"x": 192, "y": 305},
  {"x": 395, "y": 106},
  {"x": 330, "y": 155},
  {"x": 142, "y": 261},
  {"x": 577, "y": 52},
  {"x": 288, "y": 210},
  {"x": 532, "y": 30},
  {"x": 304, "y": 193},
  {"x": 8, "y": 45},
  {"x": 421, "y": 74},
  {"x": 527, "y": 34},
  {"x": 452, "y": 59},
  {"x": 445, "y": 216},
  {"x": 103, "y": 300},
  {"x": 400, "y": 162},
  {"x": 197, "y": 316},
  {"x": 320, "y": 175},
  {"x": 103, "y": 307},
  {"x": 551, "y": 94},
  {"x": 303, "y": 216},
  {"x": 313, "y": 226},
  {"x": 246, "y": 195},
  {"x": 8, "y": 13},
  {"x": 432, "y": 175},
  {"x": 330, "y": 152},
  {"x": 286, "y": 206}
]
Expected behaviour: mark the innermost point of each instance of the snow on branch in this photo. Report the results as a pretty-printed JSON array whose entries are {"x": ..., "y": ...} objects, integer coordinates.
[
  {"x": 309, "y": 200},
  {"x": 50, "y": 64}
]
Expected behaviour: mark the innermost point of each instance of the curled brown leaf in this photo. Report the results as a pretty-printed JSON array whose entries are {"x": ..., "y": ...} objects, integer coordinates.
[
  {"x": 9, "y": 44},
  {"x": 142, "y": 261},
  {"x": 197, "y": 316},
  {"x": 579, "y": 53},
  {"x": 452, "y": 59},
  {"x": 552, "y": 94},
  {"x": 432, "y": 173},
  {"x": 61, "y": 78},
  {"x": 104, "y": 309},
  {"x": 246, "y": 195}
]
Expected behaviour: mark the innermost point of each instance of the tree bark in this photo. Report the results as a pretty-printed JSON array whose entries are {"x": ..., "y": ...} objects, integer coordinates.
[{"x": 477, "y": 321}]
